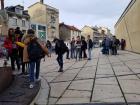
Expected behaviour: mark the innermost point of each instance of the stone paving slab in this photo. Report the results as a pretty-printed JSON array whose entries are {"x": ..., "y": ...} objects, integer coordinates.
[
  {"x": 76, "y": 94},
  {"x": 52, "y": 101},
  {"x": 104, "y": 80},
  {"x": 82, "y": 85},
  {"x": 64, "y": 77},
  {"x": 58, "y": 88},
  {"x": 107, "y": 93},
  {"x": 72, "y": 101}
]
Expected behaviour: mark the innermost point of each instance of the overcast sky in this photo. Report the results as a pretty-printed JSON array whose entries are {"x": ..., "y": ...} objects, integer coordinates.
[{"x": 83, "y": 12}]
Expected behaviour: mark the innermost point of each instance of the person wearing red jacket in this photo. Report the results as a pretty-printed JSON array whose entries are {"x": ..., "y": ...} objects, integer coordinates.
[{"x": 12, "y": 49}]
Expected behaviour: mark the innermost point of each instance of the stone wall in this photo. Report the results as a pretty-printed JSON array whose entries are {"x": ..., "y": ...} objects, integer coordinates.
[{"x": 128, "y": 26}]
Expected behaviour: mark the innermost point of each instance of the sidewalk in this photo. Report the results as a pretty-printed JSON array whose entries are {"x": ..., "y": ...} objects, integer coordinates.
[{"x": 104, "y": 79}]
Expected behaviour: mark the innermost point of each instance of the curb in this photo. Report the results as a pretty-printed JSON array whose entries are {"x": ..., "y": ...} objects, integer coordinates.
[{"x": 43, "y": 94}]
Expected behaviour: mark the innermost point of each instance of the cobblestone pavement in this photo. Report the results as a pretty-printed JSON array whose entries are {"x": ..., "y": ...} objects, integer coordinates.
[{"x": 104, "y": 79}]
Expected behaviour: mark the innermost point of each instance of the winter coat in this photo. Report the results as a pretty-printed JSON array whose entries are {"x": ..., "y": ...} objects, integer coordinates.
[
  {"x": 27, "y": 39},
  {"x": 84, "y": 45},
  {"x": 25, "y": 51},
  {"x": 60, "y": 47},
  {"x": 11, "y": 47}
]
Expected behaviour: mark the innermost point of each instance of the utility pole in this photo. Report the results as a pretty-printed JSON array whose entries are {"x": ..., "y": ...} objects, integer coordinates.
[
  {"x": 2, "y": 4},
  {"x": 42, "y": 1}
]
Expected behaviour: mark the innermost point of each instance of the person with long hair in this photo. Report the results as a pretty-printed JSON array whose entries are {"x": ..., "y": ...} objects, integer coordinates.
[{"x": 10, "y": 45}]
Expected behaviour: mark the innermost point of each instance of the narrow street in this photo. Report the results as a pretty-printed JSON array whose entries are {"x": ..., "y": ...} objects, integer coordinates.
[{"x": 104, "y": 79}]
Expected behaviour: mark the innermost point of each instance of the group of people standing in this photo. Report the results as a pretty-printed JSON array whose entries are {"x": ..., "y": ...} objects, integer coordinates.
[
  {"x": 112, "y": 44},
  {"x": 75, "y": 49},
  {"x": 34, "y": 50},
  {"x": 27, "y": 56},
  {"x": 78, "y": 48}
]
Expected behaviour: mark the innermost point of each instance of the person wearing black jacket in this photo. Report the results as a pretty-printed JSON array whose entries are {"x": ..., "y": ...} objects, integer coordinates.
[
  {"x": 89, "y": 47},
  {"x": 19, "y": 35},
  {"x": 60, "y": 49},
  {"x": 83, "y": 48}
]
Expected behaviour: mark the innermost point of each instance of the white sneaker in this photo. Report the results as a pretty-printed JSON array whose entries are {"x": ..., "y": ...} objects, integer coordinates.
[{"x": 31, "y": 86}]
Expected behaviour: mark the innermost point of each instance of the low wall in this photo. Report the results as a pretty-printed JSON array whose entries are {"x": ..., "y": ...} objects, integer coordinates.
[{"x": 5, "y": 78}]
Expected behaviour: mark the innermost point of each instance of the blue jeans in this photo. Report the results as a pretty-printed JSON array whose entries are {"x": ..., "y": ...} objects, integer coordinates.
[
  {"x": 107, "y": 50},
  {"x": 78, "y": 53},
  {"x": 72, "y": 53},
  {"x": 89, "y": 53},
  {"x": 32, "y": 74}
]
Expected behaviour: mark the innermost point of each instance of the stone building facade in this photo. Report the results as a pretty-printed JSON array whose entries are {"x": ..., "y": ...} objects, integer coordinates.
[
  {"x": 12, "y": 17},
  {"x": 128, "y": 26},
  {"x": 68, "y": 32},
  {"x": 96, "y": 33},
  {"x": 44, "y": 14}
]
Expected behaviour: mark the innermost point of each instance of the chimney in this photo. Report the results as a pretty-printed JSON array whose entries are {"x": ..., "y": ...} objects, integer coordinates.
[
  {"x": 2, "y": 4},
  {"x": 41, "y": 1}
]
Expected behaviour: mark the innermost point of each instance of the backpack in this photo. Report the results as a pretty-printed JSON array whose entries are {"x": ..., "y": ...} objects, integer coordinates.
[
  {"x": 35, "y": 51},
  {"x": 63, "y": 47}
]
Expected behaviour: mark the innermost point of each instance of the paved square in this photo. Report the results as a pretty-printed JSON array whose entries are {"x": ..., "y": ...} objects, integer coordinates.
[{"x": 104, "y": 79}]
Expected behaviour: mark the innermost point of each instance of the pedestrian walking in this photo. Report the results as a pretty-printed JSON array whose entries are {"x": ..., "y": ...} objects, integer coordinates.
[
  {"x": 49, "y": 46},
  {"x": 60, "y": 49},
  {"x": 89, "y": 46}
]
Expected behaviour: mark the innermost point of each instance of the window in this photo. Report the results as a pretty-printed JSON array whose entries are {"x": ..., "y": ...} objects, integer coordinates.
[
  {"x": 23, "y": 23},
  {"x": 53, "y": 19},
  {"x": 14, "y": 22},
  {"x": 73, "y": 32},
  {"x": 43, "y": 28},
  {"x": 33, "y": 26},
  {"x": 18, "y": 11}
]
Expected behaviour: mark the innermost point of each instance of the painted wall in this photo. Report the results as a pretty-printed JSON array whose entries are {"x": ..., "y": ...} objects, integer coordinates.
[
  {"x": 87, "y": 31},
  {"x": 42, "y": 13},
  {"x": 129, "y": 28}
]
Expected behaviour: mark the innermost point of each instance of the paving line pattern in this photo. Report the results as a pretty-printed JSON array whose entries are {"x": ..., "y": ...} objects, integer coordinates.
[{"x": 104, "y": 79}]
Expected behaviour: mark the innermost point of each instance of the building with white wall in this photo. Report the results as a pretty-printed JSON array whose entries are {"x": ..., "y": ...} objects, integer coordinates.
[{"x": 12, "y": 17}]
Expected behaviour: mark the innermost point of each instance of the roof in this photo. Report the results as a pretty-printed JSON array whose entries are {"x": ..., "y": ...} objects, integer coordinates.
[
  {"x": 69, "y": 27},
  {"x": 11, "y": 9},
  {"x": 50, "y": 7}
]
